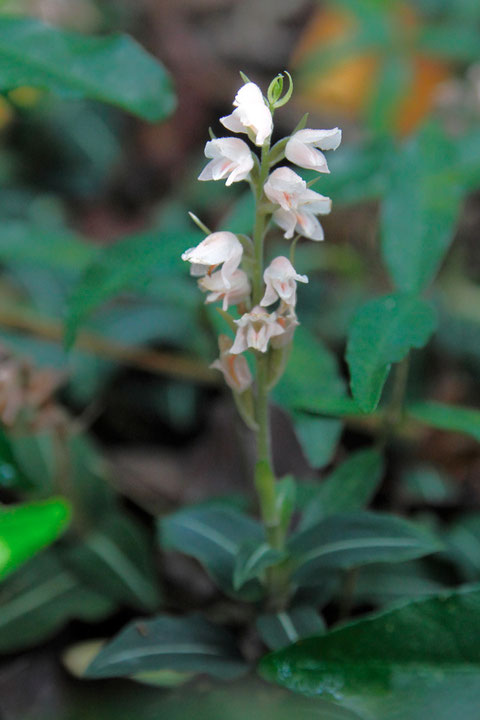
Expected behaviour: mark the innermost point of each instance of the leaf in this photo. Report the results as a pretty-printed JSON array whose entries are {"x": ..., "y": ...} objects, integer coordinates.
[
  {"x": 353, "y": 539},
  {"x": 453, "y": 41},
  {"x": 129, "y": 263},
  {"x": 11, "y": 475},
  {"x": 463, "y": 546},
  {"x": 447, "y": 417},
  {"x": 114, "y": 69},
  {"x": 39, "y": 598},
  {"x": 312, "y": 372},
  {"x": 418, "y": 660},
  {"x": 427, "y": 484},
  {"x": 349, "y": 487},
  {"x": 419, "y": 210},
  {"x": 187, "y": 644},
  {"x": 213, "y": 535},
  {"x": 26, "y": 529},
  {"x": 383, "y": 332},
  {"x": 382, "y": 583},
  {"x": 252, "y": 560},
  {"x": 318, "y": 437},
  {"x": 116, "y": 560},
  {"x": 279, "y": 630}
]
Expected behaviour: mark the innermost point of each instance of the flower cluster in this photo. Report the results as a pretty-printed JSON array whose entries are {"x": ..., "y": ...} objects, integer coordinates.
[{"x": 267, "y": 319}]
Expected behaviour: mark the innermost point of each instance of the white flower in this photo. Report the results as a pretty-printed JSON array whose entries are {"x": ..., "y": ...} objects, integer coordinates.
[
  {"x": 217, "y": 248},
  {"x": 281, "y": 281},
  {"x": 251, "y": 114},
  {"x": 237, "y": 292},
  {"x": 231, "y": 159},
  {"x": 301, "y": 149},
  {"x": 298, "y": 204},
  {"x": 255, "y": 330},
  {"x": 234, "y": 367},
  {"x": 288, "y": 322}
]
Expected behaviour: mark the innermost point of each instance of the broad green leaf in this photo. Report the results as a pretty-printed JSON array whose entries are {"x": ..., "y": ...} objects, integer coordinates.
[
  {"x": 318, "y": 437},
  {"x": 341, "y": 406},
  {"x": 213, "y": 535},
  {"x": 279, "y": 630},
  {"x": 447, "y": 417},
  {"x": 311, "y": 374},
  {"x": 115, "y": 559},
  {"x": 40, "y": 598},
  {"x": 26, "y": 529},
  {"x": 415, "y": 661},
  {"x": 349, "y": 540},
  {"x": 382, "y": 333},
  {"x": 129, "y": 263},
  {"x": 463, "y": 546},
  {"x": 57, "y": 248},
  {"x": 252, "y": 560},
  {"x": 187, "y": 644},
  {"x": 419, "y": 210},
  {"x": 349, "y": 487},
  {"x": 114, "y": 69}
]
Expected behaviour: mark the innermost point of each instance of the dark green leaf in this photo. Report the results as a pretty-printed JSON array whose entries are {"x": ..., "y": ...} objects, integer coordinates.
[
  {"x": 318, "y": 437},
  {"x": 26, "y": 529},
  {"x": 116, "y": 560},
  {"x": 420, "y": 210},
  {"x": 213, "y": 535},
  {"x": 349, "y": 487},
  {"x": 187, "y": 644},
  {"x": 252, "y": 560},
  {"x": 353, "y": 539},
  {"x": 382, "y": 333},
  {"x": 113, "y": 69},
  {"x": 463, "y": 546},
  {"x": 419, "y": 660},
  {"x": 427, "y": 484},
  {"x": 40, "y": 598},
  {"x": 279, "y": 630},
  {"x": 11, "y": 475},
  {"x": 447, "y": 417}
]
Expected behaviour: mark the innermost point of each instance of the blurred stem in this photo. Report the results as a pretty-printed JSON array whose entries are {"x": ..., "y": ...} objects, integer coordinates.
[{"x": 394, "y": 413}]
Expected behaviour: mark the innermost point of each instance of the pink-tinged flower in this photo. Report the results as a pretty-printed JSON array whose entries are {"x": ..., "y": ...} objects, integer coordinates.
[
  {"x": 255, "y": 330},
  {"x": 238, "y": 292},
  {"x": 251, "y": 114},
  {"x": 288, "y": 322},
  {"x": 231, "y": 159},
  {"x": 217, "y": 248},
  {"x": 302, "y": 148},
  {"x": 234, "y": 367},
  {"x": 281, "y": 281},
  {"x": 298, "y": 204}
]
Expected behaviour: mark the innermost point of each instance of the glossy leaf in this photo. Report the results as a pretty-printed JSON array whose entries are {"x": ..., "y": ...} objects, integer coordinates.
[
  {"x": 187, "y": 644},
  {"x": 278, "y": 630},
  {"x": 252, "y": 560},
  {"x": 382, "y": 333},
  {"x": 115, "y": 559},
  {"x": 447, "y": 417},
  {"x": 39, "y": 598},
  {"x": 350, "y": 540},
  {"x": 26, "y": 529},
  {"x": 349, "y": 487},
  {"x": 213, "y": 535},
  {"x": 112, "y": 69},
  {"x": 421, "y": 658},
  {"x": 417, "y": 225}
]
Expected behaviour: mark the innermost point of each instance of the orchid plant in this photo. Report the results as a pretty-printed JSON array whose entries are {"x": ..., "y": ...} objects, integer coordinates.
[{"x": 231, "y": 268}]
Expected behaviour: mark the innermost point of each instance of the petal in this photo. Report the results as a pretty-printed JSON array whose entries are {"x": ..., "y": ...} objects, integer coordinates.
[
  {"x": 232, "y": 122},
  {"x": 323, "y": 139},
  {"x": 308, "y": 225},
  {"x": 287, "y": 220},
  {"x": 305, "y": 156}
]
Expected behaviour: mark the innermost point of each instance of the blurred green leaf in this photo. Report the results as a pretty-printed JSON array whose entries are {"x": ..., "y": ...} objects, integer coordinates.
[
  {"x": 115, "y": 558},
  {"x": 451, "y": 40},
  {"x": 318, "y": 437},
  {"x": 416, "y": 660},
  {"x": 26, "y": 529},
  {"x": 382, "y": 332},
  {"x": 391, "y": 87},
  {"x": 252, "y": 560},
  {"x": 349, "y": 487},
  {"x": 382, "y": 583},
  {"x": 420, "y": 209},
  {"x": 425, "y": 483},
  {"x": 213, "y": 535},
  {"x": 279, "y": 630},
  {"x": 187, "y": 644},
  {"x": 463, "y": 546},
  {"x": 113, "y": 69},
  {"x": 349, "y": 540},
  {"x": 39, "y": 598},
  {"x": 11, "y": 475},
  {"x": 447, "y": 417}
]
